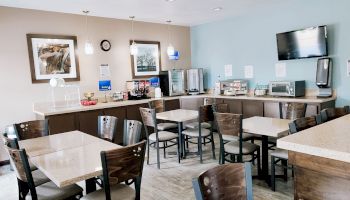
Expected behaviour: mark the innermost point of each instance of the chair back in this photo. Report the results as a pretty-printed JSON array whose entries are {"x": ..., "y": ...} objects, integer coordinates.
[
  {"x": 209, "y": 101},
  {"x": 158, "y": 105},
  {"x": 10, "y": 142},
  {"x": 123, "y": 164},
  {"x": 221, "y": 108},
  {"x": 333, "y": 113},
  {"x": 132, "y": 132},
  {"x": 229, "y": 123},
  {"x": 107, "y": 127},
  {"x": 206, "y": 113},
  {"x": 304, "y": 123},
  {"x": 32, "y": 129},
  {"x": 292, "y": 111},
  {"x": 148, "y": 117},
  {"x": 225, "y": 182}
]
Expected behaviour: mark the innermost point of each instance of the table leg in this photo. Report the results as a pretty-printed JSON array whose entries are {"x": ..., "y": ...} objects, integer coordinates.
[
  {"x": 180, "y": 139},
  {"x": 90, "y": 185},
  {"x": 265, "y": 159}
]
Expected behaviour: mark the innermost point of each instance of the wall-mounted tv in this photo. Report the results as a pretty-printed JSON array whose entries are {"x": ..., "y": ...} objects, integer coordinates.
[{"x": 307, "y": 43}]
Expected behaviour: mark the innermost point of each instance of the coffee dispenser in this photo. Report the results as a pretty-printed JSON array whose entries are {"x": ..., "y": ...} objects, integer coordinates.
[{"x": 324, "y": 77}]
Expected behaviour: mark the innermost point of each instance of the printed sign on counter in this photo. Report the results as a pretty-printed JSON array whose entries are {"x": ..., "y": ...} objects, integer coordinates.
[{"x": 104, "y": 85}]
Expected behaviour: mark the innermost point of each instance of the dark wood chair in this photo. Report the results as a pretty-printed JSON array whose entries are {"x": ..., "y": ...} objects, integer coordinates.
[
  {"x": 281, "y": 155},
  {"x": 121, "y": 165},
  {"x": 32, "y": 129},
  {"x": 149, "y": 121},
  {"x": 205, "y": 115},
  {"x": 225, "y": 182},
  {"x": 107, "y": 127},
  {"x": 159, "y": 106},
  {"x": 231, "y": 124},
  {"x": 132, "y": 132},
  {"x": 333, "y": 113},
  {"x": 29, "y": 189},
  {"x": 292, "y": 111}
]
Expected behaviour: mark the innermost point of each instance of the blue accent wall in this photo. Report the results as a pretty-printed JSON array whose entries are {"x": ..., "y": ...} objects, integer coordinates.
[{"x": 250, "y": 39}]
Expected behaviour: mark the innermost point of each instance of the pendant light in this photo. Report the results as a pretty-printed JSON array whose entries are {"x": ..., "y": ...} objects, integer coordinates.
[
  {"x": 133, "y": 47},
  {"x": 170, "y": 50},
  {"x": 89, "y": 48}
]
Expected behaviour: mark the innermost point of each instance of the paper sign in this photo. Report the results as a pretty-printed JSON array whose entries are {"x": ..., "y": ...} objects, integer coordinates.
[
  {"x": 228, "y": 70},
  {"x": 104, "y": 71},
  {"x": 248, "y": 71},
  {"x": 104, "y": 85},
  {"x": 348, "y": 64},
  {"x": 281, "y": 70}
]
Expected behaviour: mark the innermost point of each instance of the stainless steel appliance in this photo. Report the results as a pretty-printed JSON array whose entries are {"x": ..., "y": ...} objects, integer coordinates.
[
  {"x": 287, "y": 88},
  {"x": 324, "y": 77},
  {"x": 234, "y": 87},
  {"x": 195, "y": 81},
  {"x": 172, "y": 82}
]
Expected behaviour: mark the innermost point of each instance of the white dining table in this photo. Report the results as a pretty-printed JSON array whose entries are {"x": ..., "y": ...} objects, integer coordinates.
[{"x": 69, "y": 157}]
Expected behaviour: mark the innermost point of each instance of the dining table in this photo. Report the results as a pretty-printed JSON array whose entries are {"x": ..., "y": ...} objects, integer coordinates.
[{"x": 68, "y": 158}]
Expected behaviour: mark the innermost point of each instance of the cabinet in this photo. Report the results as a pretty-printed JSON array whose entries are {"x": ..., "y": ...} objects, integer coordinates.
[
  {"x": 191, "y": 103},
  {"x": 234, "y": 105},
  {"x": 172, "y": 104},
  {"x": 252, "y": 108},
  {"x": 120, "y": 113},
  {"x": 87, "y": 121},
  {"x": 62, "y": 123}
]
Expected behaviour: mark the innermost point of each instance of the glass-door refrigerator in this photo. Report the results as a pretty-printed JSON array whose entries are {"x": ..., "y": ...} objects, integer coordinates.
[{"x": 172, "y": 82}]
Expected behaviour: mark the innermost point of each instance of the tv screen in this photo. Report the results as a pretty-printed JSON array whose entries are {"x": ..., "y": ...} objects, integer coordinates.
[{"x": 306, "y": 43}]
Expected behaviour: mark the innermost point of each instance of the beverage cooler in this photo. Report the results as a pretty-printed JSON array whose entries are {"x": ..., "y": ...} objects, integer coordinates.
[{"x": 172, "y": 82}]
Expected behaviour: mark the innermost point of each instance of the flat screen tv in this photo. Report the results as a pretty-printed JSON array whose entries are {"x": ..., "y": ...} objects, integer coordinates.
[{"x": 307, "y": 43}]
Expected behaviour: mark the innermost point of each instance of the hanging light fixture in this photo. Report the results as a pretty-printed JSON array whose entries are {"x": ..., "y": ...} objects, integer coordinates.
[
  {"x": 170, "y": 50},
  {"x": 133, "y": 47},
  {"x": 89, "y": 48}
]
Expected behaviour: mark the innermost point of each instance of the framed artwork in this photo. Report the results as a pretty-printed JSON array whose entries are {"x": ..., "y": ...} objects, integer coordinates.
[
  {"x": 53, "y": 56},
  {"x": 147, "y": 61}
]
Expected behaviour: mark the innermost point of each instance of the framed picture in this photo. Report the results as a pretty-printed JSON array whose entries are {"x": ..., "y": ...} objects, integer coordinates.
[
  {"x": 53, "y": 56},
  {"x": 147, "y": 61}
]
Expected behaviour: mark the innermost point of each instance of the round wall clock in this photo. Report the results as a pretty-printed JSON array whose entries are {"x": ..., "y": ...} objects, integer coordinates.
[{"x": 105, "y": 45}]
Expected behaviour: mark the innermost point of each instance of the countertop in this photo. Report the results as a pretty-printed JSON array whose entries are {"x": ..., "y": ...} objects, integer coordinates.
[
  {"x": 329, "y": 140},
  {"x": 45, "y": 109}
]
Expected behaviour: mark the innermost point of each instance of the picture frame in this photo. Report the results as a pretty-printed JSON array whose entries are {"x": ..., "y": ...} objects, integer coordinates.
[
  {"x": 148, "y": 52},
  {"x": 53, "y": 56}
]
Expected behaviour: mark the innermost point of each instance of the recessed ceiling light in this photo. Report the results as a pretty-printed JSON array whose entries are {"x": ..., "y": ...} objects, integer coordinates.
[
  {"x": 170, "y": 0},
  {"x": 217, "y": 9}
]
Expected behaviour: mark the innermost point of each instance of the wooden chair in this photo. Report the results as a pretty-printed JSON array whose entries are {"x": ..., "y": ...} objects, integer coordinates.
[
  {"x": 205, "y": 115},
  {"x": 121, "y": 165},
  {"x": 150, "y": 121},
  {"x": 225, "y": 182},
  {"x": 333, "y": 113},
  {"x": 27, "y": 186},
  {"x": 132, "y": 132},
  {"x": 292, "y": 111},
  {"x": 32, "y": 129},
  {"x": 231, "y": 124},
  {"x": 281, "y": 155},
  {"x": 159, "y": 106},
  {"x": 107, "y": 127}
]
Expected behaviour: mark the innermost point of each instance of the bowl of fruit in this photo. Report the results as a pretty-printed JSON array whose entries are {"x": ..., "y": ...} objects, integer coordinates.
[{"x": 89, "y": 101}]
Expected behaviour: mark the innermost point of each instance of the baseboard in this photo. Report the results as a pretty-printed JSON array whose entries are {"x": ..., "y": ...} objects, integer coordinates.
[{"x": 4, "y": 162}]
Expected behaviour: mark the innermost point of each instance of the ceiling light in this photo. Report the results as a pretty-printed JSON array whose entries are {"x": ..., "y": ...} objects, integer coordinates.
[
  {"x": 217, "y": 9},
  {"x": 89, "y": 48},
  {"x": 170, "y": 0},
  {"x": 133, "y": 47},
  {"x": 170, "y": 49}
]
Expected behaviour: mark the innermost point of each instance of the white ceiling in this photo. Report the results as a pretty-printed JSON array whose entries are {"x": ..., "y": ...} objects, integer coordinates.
[{"x": 181, "y": 12}]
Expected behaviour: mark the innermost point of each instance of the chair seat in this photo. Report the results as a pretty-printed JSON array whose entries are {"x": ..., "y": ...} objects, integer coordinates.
[
  {"x": 230, "y": 138},
  {"x": 195, "y": 132},
  {"x": 247, "y": 148},
  {"x": 280, "y": 153},
  {"x": 120, "y": 191},
  {"x": 49, "y": 191},
  {"x": 39, "y": 178},
  {"x": 166, "y": 126},
  {"x": 163, "y": 136},
  {"x": 194, "y": 125}
]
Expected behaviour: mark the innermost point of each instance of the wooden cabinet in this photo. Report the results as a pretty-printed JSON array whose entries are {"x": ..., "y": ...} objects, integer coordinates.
[
  {"x": 252, "y": 108},
  {"x": 272, "y": 109},
  {"x": 172, "y": 104},
  {"x": 88, "y": 121},
  {"x": 234, "y": 105},
  {"x": 191, "y": 103},
  {"x": 120, "y": 113},
  {"x": 62, "y": 123}
]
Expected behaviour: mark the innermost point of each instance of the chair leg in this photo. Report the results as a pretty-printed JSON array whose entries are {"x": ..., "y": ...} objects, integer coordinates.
[
  {"x": 178, "y": 150},
  {"x": 285, "y": 170},
  {"x": 258, "y": 162},
  {"x": 200, "y": 149},
  {"x": 158, "y": 159},
  {"x": 164, "y": 145},
  {"x": 204, "y": 141},
  {"x": 220, "y": 154},
  {"x": 187, "y": 141},
  {"x": 273, "y": 184},
  {"x": 148, "y": 146},
  {"x": 223, "y": 157},
  {"x": 213, "y": 146}
]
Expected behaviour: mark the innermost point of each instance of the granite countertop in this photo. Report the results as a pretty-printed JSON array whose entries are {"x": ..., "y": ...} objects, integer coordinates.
[
  {"x": 329, "y": 140},
  {"x": 45, "y": 109}
]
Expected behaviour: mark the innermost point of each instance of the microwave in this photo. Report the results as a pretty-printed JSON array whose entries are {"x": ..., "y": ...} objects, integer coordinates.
[{"x": 287, "y": 88}]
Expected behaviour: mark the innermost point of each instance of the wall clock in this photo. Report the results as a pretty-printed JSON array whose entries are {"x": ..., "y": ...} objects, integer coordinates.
[{"x": 105, "y": 45}]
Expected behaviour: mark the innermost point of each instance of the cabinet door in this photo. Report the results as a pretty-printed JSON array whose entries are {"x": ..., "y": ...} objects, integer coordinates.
[
  {"x": 172, "y": 104},
  {"x": 253, "y": 108},
  {"x": 192, "y": 103},
  {"x": 219, "y": 101},
  {"x": 62, "y": 123},
  {"x": 120, "y": 113},
  {"x": 234, "y": 105},
  {"x": 88, "y": 121},
  {"x": 271, "y": 109}
]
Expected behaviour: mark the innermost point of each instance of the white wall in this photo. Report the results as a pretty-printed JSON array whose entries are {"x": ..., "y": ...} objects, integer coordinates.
[{"x": 17, "y": 91}]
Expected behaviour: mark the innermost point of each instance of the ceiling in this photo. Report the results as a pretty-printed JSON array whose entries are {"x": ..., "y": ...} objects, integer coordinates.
[{"x": 181, "y": 12}]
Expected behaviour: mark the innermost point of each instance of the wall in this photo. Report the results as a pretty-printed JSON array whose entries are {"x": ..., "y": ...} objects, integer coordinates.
[
  {"x": 17, "y": 91},
  {"x": 251, "y": 40}
]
